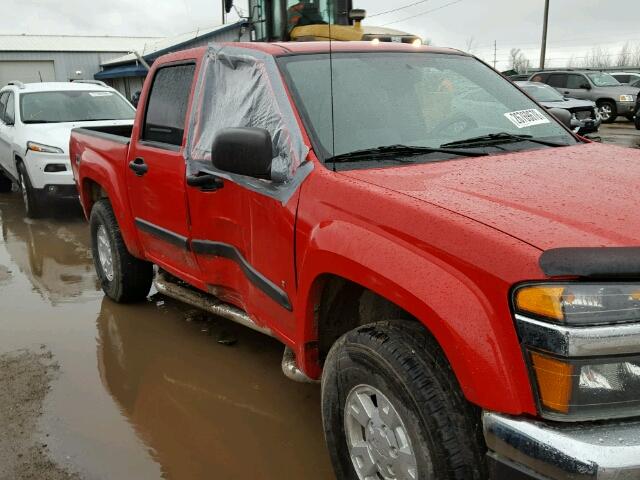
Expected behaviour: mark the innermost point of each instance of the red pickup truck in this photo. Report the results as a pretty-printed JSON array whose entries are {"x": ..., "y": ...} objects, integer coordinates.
[{"x": 460, "y": 271}]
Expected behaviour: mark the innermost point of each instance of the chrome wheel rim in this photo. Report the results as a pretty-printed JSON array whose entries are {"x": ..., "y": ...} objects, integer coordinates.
[
  {"x": 377, "y": 439},
  {"x": 105, "y": 254},
  {"x": 605, "y": 112}
]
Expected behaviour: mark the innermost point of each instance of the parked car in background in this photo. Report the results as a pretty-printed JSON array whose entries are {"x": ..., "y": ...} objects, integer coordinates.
[
  {"x": 36, "y": 120},
  {"x": 612, "y": 98},
  {"x": 626, "y": 78},
  {"x": 459, "y": 292},
  {"x": 585, "y": 117}
]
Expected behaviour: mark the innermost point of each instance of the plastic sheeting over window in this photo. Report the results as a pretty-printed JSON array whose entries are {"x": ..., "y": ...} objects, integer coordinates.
[{"x": 240, "y": 87}]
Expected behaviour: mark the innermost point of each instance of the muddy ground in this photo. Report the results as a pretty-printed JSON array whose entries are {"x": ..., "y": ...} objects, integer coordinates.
[
  {"x": 94, "y": 390},
  {"x": 25, "y": 378},
  {"x": 148, "y": 391}
]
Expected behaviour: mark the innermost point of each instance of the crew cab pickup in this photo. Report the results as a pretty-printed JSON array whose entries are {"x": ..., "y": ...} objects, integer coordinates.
[{"x": 460, "y": 271}]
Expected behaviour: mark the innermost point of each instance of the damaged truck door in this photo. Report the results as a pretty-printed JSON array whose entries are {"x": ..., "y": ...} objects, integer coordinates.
[{"x": 155, "y": 178}]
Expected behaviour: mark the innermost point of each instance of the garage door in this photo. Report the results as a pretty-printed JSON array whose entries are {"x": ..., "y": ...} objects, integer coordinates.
[{"x": 27, "y": 71}]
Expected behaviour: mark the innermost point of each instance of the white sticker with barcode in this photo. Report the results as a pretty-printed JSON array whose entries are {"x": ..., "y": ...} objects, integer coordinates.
[{"x": 527, "y": 118}]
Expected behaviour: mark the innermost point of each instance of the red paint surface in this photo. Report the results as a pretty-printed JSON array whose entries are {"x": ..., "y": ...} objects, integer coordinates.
[{"x": 445, "y": 241}]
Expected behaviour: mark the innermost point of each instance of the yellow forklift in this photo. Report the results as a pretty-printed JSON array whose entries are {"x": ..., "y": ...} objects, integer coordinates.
[{"x": 314, "y": 20}]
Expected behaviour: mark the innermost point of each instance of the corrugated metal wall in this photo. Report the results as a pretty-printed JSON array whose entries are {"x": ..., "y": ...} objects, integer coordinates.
[{"x": 66, "y": 64}]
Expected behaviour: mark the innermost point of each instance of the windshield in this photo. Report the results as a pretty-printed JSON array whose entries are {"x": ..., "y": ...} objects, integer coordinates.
[
  {"x": 416, "y": 99},
  {"x": 603, "y": 80},
  {"x": 74, "y": 106},
  {"x": 541, "y": 92}
]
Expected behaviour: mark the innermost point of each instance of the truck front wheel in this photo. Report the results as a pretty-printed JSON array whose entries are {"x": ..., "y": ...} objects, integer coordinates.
[
  {"x": 392, "y": 409},
  {"x": 123, "y": 277}
]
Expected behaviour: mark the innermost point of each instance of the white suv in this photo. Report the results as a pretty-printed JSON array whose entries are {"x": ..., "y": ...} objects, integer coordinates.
[{"x": 36, "y": 120}]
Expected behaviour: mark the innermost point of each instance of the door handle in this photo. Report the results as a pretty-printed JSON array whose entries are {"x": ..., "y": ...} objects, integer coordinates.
[
  {"x": 206, "y": 183},
  {"x": 139, "y": 167}
]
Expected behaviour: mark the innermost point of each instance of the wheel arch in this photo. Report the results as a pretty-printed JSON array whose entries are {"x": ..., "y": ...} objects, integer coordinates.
[
  {"x": 93, "y": 188},
  {"x": 479, "y": 345}
]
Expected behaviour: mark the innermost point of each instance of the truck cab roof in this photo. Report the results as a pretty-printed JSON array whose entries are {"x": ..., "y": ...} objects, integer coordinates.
[{"x": 281, "y": 49}]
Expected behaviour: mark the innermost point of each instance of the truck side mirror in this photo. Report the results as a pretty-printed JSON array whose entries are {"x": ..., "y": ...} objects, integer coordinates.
[
  {"x": 562, "y": 115},
  {"x": 228, "y": 5},
  {"x": 245, "y": 151},
  {"x": 585, "y": 86}
]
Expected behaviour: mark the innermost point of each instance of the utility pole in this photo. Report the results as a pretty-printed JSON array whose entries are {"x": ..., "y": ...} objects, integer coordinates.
[
  {"x": 543, "y": 50},
  {"x": 495, "y": 54}
]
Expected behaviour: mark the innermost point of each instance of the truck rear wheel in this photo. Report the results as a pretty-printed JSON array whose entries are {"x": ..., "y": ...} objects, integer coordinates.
[
  {"x": 392, "y": 409},
  {"x": 123, "y": 277}
]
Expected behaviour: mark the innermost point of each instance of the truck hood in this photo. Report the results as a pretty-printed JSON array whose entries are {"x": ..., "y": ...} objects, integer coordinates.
[
  {"x": 58, "y": 134},
  {"x": 581, "y": 196}
]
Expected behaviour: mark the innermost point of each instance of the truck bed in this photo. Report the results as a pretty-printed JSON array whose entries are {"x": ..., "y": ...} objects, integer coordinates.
[{"x": 116, "y": 133}]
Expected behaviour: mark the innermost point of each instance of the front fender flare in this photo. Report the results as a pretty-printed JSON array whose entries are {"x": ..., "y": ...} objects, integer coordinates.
[{"x": 473, "y": 328}]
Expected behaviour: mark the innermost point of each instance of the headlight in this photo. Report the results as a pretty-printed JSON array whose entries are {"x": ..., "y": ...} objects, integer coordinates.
[
  {"x": 582, "y": 344},
  {"x": 581, "y": 304},
  {"x": 626, "y": 98},
  {"x": 38, "y": 147}
]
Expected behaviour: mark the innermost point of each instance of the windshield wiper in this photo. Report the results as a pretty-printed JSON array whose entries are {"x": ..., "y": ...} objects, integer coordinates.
[
  {"x": 498, "y": 138},
  {"x": 397, "y": 152}
]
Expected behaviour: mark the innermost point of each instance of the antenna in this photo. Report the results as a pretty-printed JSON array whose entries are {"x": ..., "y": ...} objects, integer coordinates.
[{"x": 333, "y": 116}]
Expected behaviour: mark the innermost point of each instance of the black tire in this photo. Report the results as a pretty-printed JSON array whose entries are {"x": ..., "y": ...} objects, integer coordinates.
[
  {"x": 637, "y": 121},
  {"x": 5, "y": 184},
  {"x": 33, "y": 205},
  {"x": 402, "y": 361},
  {"x": 132, "y": 277},
  {"x": 606, "y": 104}
]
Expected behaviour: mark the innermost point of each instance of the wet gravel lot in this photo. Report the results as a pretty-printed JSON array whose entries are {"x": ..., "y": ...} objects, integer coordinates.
[{"x": 94, "y": 390}]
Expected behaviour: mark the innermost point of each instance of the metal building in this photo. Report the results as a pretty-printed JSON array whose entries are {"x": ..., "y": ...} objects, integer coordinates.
[
  {"x": 127, "y": 73},
  {"x": 35, "y": 58}
]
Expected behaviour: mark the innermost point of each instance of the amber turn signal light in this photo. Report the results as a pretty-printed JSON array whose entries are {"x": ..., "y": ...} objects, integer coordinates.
[
  {"x": 542, "y": 300},
  {"x": 555, "y": 382}
]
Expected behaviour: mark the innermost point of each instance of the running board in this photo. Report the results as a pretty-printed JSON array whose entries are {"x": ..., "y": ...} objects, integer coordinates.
[
  {"x": 206, "y": 302},
  {"x": 169, "y": 287}
]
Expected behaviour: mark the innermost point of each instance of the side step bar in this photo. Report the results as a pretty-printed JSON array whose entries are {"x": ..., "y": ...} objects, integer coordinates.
[
  {"x": 206, "y": 302},
  {"x": 166, "y": 286}
]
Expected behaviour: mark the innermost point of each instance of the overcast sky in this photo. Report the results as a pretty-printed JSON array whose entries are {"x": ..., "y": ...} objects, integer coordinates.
[{"x": 576, "y": 26}]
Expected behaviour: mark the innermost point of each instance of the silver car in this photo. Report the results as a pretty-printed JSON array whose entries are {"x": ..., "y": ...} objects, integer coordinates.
[
  {"x": 585, "y": 117},
  {"x": 613, "y": 98}
]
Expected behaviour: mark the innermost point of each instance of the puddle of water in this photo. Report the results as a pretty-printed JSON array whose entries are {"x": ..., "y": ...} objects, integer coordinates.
[{"x": 144, "y": 392}]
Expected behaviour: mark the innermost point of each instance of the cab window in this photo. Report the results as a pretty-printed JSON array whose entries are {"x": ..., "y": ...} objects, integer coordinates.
[
  {"x": 558, "y": 80},
  {"x": 167, "y": 105},
  {"x": 576, "y": 82}
]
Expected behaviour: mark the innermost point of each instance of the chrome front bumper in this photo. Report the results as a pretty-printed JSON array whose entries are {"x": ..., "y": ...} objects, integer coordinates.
[{"x": 554, "y": 451}]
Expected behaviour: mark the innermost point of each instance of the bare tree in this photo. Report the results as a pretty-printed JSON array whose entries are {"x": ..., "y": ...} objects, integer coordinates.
[
  {"x": 625, "y": 56},
  {"x": 470, "y": 45},
  {"x": 598, "y": 58},
  {"x": 635, "y": 56},
  {"x": 518, "y": 61},
  {"x": 572, "y": 62}
]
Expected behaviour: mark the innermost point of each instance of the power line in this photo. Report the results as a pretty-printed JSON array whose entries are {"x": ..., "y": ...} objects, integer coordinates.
[
  {"x": 423, "y": 13},
  {"x": 397, "y": 9}
]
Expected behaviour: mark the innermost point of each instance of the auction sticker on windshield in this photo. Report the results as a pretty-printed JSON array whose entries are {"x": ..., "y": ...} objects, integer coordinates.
[{"x": 527, "y": 118}]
